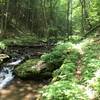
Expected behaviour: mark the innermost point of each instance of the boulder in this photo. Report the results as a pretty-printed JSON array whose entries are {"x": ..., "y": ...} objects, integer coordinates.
[
  {"x": 3, "y": 57},
  {"x": 33, "y": 69}
]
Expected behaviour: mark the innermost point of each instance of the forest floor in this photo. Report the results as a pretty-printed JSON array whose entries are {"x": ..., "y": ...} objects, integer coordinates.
[{"x": 28, "y": 89}]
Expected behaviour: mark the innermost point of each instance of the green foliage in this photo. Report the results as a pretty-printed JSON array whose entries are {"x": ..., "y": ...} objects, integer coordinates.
[
  {"x": 94, "y": 12},
  {"x": 94, "y": 83},
  {"x": 53, "y": 57},
  {"x": 63, "y": 90},
  {"x": 65, "y": 86},
  {"x": 96, "y": 86},
  {"x": 91, "y": 67},
  {"x": 65, "y": 56},
  {"x": 58, "y": 54},
  {"x": 75, "y": 38},
  {"x": 66, "y": 72},
  {"x": 67, "y": 69},
  {"x": 2, "y": 45},
  {"x": 91, "y": 60},
  {"x": 20, "y": 40},
  {"x": 47, "y": 18}
]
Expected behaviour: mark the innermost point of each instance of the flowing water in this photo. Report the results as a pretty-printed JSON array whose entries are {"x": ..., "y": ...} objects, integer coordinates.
[
  {"x": 6, "y": 73},
  {"x": 12, "y": 88}
]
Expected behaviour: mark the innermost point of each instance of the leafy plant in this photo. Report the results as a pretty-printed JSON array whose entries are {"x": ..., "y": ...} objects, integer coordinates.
[
  {"x": 66, "y": 72},
  {"x": 2, "y": 45},
  {"x": 91, "y": 67},
  {"x": 63, "y": 90}
]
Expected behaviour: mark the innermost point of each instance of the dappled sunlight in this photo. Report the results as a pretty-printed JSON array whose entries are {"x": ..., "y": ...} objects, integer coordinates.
[
  {"x": 49, "y": 49},
  {"x": 97, "y": 73},
  {"x": 21, "y": 90},
  {"x": 91, "y": 84},
  {"x": 90, "y": 93},
  {"x": 81, "y": 46}
]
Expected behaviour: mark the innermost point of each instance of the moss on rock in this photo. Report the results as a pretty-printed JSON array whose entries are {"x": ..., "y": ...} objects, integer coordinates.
[
  {"x": 27, "y": 69},
  {"x": 33, "y": 68}
]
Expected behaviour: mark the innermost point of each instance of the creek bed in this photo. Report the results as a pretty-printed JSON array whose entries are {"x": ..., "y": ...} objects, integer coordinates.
[
  {"x": 22, "y": 90},
  {"x": 18, "y": 89}
]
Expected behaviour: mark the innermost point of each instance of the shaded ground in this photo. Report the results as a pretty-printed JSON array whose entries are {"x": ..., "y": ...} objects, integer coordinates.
[{"x": 21, "y": 90}]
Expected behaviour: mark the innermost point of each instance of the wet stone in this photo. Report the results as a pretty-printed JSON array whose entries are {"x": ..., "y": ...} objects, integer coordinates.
[
  {"x": 29, "y": 96},
  {"x": 5, "y": 92}
]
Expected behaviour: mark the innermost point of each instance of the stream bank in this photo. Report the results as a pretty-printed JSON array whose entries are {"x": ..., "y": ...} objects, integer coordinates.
[{"x": 16, "y": 88}]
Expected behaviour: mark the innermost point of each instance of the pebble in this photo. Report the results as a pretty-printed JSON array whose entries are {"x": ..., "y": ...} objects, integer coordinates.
[
  {"x": 29, "y": 97},
  {"x": 5, "y": 92}
]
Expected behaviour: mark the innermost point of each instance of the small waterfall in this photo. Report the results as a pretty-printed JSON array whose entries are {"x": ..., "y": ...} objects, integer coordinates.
[
  {"x": 6, "y": 76},
  {"x": 6, "y": 73}
]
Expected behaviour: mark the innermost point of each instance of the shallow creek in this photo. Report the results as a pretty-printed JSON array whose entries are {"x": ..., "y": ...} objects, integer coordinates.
[
  {"x": 12, "y": 88},
  {"x": 21, "y": 90}
]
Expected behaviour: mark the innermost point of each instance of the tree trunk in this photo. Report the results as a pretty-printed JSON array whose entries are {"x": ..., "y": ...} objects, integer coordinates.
[
  {"x": 69, "y": 17},
  {"x": 6, "y": 16}
]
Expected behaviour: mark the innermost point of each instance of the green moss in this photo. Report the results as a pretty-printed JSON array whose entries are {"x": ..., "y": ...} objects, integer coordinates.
[{"x": 27, "y": 69}]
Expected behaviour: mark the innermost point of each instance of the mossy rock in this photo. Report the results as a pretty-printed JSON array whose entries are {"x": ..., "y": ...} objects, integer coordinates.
[
  {"x": 3, "y": 57},
  {"x": 32, "y": 68},
  {"x": 27, "y": 69}
]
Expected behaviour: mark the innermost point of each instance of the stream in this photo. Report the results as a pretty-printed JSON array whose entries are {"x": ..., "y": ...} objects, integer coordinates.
[
  {"x": 6, "y": 72},
  {"x": 14, "y": 88}
]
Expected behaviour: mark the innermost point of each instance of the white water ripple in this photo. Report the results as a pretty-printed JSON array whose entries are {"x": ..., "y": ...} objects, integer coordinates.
[{"x": 6, "y": 74}]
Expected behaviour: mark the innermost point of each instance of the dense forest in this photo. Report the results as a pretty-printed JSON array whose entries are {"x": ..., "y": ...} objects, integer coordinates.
[{"x": 49, "y": 50}]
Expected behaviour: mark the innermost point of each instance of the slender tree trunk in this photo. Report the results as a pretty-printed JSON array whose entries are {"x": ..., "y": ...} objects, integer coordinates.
[
  {"x": 69, "y": 17},
  {"x": 86, "y": 25},
  {"x": 6, "y": 16},
  {"x": 2, "y": 19},
  {"x": 43, "y": 3},
  {"x": 68, "y": 7},
  {"x": 83, "y": 19}
]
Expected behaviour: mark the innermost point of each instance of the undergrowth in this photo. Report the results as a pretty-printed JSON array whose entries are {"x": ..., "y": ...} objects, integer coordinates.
[{"x": 65, "y": 85}]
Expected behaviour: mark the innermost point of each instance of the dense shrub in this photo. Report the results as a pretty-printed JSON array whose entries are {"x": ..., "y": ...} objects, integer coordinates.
[
  {"x": 91, "y": 67},
  {"x": 75, "y": 38},
  {"x": 65, "y": 72},
  {"x": 2, "y": 45},
  {"x": 65, "y": 86},
  {"x": 58, "y": 54},
  {"x": 63, "y": 90},
  {"x": 91, "y": 61}
]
